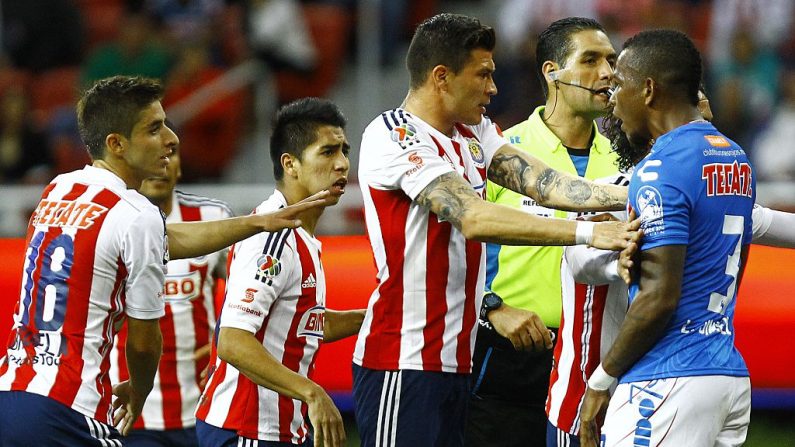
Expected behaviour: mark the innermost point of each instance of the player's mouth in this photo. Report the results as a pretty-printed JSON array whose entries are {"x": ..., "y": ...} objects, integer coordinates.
[
  {"x": 604, "y": 92},
  {"x": 482, "y": 107},
  {"x": 338, "y": 187}
]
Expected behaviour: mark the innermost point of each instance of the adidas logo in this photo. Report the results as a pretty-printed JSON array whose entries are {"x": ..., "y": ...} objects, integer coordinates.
[{"x": 309, "y": 282}]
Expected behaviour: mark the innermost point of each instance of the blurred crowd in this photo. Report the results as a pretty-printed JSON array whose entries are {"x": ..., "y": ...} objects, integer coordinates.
[{"x": 53, "y": 48}]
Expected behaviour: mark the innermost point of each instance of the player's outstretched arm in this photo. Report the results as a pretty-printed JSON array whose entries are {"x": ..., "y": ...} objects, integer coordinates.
[
  {"x": 521, "y": 172},
  {"x": 242, "y": 350},
  {"x": 192, "y": 239},
  {"x": 773, "y": 228},
  {"x": 453, "y": 199},
  {"x": 339, "y": 324},
  {"x": 144, "y": 346}
]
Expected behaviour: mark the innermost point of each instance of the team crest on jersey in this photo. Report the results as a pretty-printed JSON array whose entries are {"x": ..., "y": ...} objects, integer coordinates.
[
  {"x": 311, "y": 324},
  {"x": 405, "y": 135},
  {"x": 476, "y": 150},
  {"x": 268, "y": 268},
  {"x": 650, "y": 207}
]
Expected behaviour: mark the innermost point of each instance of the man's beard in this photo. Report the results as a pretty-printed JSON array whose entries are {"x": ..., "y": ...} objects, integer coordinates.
[{"x": 629, "y": 153}]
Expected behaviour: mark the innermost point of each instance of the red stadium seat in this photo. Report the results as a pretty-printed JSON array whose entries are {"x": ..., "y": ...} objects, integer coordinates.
[{"x": 53, "y": 89}]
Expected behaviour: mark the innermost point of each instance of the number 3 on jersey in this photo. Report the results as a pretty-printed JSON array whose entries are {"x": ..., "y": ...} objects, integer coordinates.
[
  {"x": 51, "y": 288},
  {"x": 732, "y": 225}
]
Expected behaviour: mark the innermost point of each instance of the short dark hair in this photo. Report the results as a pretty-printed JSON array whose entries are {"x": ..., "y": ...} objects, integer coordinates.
[
  {"x": 670, "y": 58},
  {"x": 445, "y": 39},
  {"x": 113, "y": 105},
  {"x": 295, "y": 128},
  {"x": 554, "y": 43}
]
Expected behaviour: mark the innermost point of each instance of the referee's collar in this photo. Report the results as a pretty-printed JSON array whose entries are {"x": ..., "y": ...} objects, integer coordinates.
[{"x": 549, "y": 139}]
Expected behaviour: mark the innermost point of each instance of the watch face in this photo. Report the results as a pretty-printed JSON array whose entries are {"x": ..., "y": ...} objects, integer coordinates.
[{"x": 491, "y": 300}]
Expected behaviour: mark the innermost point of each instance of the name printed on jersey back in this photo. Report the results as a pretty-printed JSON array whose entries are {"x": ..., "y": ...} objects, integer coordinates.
[{"x": 67, "y": 213}]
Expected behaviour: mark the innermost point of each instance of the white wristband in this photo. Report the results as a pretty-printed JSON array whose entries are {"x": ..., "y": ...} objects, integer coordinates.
[
  {"x": 583, "y": 235},
  {"x": 600, "y": 380}
]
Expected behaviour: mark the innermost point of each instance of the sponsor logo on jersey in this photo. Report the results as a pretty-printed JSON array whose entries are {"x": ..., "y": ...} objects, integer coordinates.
[
  {"x": 311, "y": 324},
  {"x": 645, "y": 174},
  {"x": 249, "y": 295},
  {"x": 727, "y": 179},
  {"x": 268, "y": 268},
  {"x": 405, "y": 135},
  {"x": 717, "y": 140},
  {"x": 182, "y": 286},
  {"x": 515, "y": 139},
  {"x": 309, "y": 282},
  {"x": 650, "y": 207},
  {"x": 476, "y": 150},
  {"x": 418, "y": 163},
  {"x": 67, "y": 214},
  {"x": 720, "y": 326},
  {"x": 245, "y": 309}
]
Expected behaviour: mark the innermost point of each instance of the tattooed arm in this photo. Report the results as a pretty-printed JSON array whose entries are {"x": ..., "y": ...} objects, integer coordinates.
[
  {"x": 521, "y": 172},
  {"x": 453, "y": 199}
]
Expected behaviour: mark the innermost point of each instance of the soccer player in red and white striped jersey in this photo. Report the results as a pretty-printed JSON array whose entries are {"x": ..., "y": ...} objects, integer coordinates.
[
  {"x": 96, "y": 253},
  {"x": 274, "y": 316},
  {"x": 168, "y": 416},
  {"x": 422, "y": 171},
  {"x": 595, "y": 300}
]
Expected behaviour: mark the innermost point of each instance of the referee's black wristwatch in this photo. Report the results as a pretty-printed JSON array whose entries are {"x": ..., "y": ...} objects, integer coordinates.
[{"x": 491, "y": 301}]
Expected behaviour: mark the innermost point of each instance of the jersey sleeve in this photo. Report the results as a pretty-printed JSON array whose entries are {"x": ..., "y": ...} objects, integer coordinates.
[
  {"x": 400, "y": 158},
  {"x": 592, "y": 266},
  {"x": 773, "y": 228},
  {"x": 261, "y": 270},
  {"x": 662, "y": 205},
  {"x": 145, "y": 255},
  {"x": 491, "y": 138}
]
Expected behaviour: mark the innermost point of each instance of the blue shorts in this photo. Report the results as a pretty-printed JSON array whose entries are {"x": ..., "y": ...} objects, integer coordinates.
[
  {"x": 31, "y": 419},
  {"x": 212, "y": 436},
  {"x": 410, "y": 408},
  {"x": 185, "y": 437},
  {"x": 559, "y": 438}
]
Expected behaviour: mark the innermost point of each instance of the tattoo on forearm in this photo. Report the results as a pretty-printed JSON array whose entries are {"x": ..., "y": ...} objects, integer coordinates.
[
  {"x": 546, "y": 182},
  {"x": 448, "y": 197},
  {"x": 578, "y": 191}
]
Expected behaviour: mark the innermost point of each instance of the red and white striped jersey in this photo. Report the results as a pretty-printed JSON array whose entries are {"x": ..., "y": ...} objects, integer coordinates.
[
  {"x": 595, "y": 301},
  {"x": 96, "y": 250},
  {"x": 277, "y": 291},
  {"x": 422, "y": 315},
  {"x": 187, "y": 325}
]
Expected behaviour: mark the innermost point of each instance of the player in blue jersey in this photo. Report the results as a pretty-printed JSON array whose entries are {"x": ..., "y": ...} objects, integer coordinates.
[{"x": 681, "y": 378}]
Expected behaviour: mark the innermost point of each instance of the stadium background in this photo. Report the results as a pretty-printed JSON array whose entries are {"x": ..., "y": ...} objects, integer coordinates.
[{"x": 228, "y": 65}]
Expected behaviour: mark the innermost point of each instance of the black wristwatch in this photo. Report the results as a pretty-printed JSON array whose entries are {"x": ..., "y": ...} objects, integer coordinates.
[{"x": 491, "y": 301}]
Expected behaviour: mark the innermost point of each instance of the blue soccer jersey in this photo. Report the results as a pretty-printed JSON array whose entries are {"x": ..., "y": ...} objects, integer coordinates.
[{"x": 696, "y": 188}]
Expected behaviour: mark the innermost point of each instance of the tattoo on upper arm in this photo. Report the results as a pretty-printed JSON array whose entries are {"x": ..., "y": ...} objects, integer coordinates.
[
  {"x": 509, "y": 171},
  {"x": 448, "y": 196}
]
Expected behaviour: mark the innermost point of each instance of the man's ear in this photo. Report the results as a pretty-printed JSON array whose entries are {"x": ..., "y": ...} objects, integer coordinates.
[
  {"x": 289, "y": 165},
  {"x": 651, "y": 91},
  {"x": 440, "y": 75},
  {"x": 116, "y": 144},
  {"x": 547, "y": 69}
]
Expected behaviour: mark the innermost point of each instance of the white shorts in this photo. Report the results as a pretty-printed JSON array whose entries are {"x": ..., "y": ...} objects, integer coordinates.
[{"x": 700, "y": 411}]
